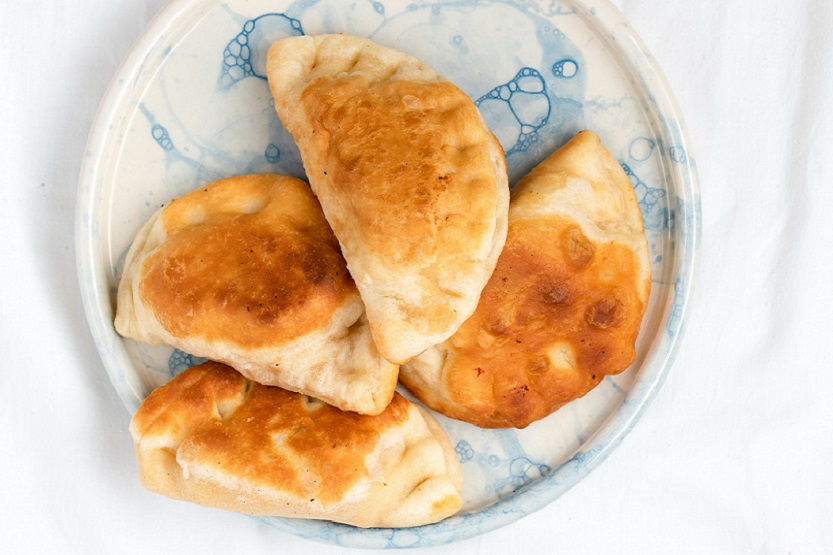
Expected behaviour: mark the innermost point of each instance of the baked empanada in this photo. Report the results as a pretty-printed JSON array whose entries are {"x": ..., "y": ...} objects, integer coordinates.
[
  {"x": 411, "y": 180},
  {"x": 564, "y": 306},
  {"x": 213, "y": 437},
  {"x": 247, "y": 271}
]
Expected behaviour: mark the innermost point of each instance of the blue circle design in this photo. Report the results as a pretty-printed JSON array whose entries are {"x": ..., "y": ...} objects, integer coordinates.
[
  {"x": 160, "y": 135},
  {"x": 678, "y": 154},
  {"x": 566, "y": 68},
  {"x": 244, "y": 56},
  {"x": 641, "y": 149},
  {"x": 651, "y": 201},
  {"x": 524, "y": 470},
  {"x": 180, "y": 361},
  {"x": 273, "y": 153},
  {"x": 464, "y": 450},
  {"x": 528, "y": 103}
]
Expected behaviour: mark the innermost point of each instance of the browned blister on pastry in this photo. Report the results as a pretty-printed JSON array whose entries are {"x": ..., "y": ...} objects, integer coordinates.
[
  {"x": 564, "y": 305},
  {"x": 410, "y": 178},
  {"x": 213, "y": 437},
  {"x": 247, "y": 271}
]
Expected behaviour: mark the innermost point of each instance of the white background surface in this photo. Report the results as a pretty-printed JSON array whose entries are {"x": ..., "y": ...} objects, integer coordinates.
[{"x": 733, "y": 456}]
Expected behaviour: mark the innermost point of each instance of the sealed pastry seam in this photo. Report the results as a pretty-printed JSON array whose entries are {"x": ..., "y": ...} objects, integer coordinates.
[
  {"x": 393, "y": 470},
  {"x": 409, "y": 177},
  {"x": 246, "y": 271},
  {"x": 564, "y": 305}
]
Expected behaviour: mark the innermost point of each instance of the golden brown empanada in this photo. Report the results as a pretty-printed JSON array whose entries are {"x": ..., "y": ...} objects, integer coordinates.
[
  {"x": 564, "y": 306},
  {"x": 213, "y": 437},
  {"x": 411, "y": 180},
  {"x": 246, "y": 271}
]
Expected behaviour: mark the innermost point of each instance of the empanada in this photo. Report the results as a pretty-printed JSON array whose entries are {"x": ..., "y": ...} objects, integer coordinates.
[
  {"x": 213, "y": 437},
  {"x": 564, "y": 306},
  {"x": 411, "y": 180},
  {"x": 247, "y": 271}
]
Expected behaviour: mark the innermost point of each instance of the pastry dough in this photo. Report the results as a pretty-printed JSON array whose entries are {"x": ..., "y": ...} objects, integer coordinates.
[
  {"x": 564, "y": 306},
  {"x": 213, "y": 437},
  {"x": 411, "y": 180},
  {"x": 246, "y": 271}
]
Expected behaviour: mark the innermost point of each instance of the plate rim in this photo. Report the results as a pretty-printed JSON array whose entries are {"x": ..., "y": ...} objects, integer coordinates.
[{"x": 636, "y": 59}]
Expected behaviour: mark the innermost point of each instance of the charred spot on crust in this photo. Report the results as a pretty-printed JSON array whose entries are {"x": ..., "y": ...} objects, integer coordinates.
[
  {"x": 577, "y": 247},
  {"x": 557, "y": 294},
  {"x": 498, "y": 327},
  {"x": 605, "y": 313},
  {"x": 538, "y": 365}
]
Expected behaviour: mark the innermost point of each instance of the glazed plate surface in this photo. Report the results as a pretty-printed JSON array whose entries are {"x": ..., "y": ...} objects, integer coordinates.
[{"x": 191, "y": 104}]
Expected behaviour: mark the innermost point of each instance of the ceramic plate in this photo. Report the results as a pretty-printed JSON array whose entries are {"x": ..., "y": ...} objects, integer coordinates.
[{"x": 191, "y": 104}]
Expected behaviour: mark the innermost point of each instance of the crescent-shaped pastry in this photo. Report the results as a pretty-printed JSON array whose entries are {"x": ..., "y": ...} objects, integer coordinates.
[
  {"x": 247, "y": 271},
  {"x": 212, "y": 437},
  {"x": 564, "y": 306},
  {"x": 411, "y": 180}
]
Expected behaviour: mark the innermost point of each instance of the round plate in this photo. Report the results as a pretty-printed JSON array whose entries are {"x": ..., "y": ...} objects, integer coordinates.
[{"x": 191, "y": 104}]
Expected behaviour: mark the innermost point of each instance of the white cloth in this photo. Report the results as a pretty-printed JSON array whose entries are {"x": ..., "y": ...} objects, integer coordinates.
[{"x": 733, "y": 456}]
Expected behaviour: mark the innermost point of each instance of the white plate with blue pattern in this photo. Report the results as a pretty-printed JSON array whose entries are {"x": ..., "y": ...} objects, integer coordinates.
[{"x": 191, "y": 104}]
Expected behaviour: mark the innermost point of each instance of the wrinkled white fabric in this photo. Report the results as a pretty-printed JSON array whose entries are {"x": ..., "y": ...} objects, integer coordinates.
[{"x": 733, "y": 456}]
